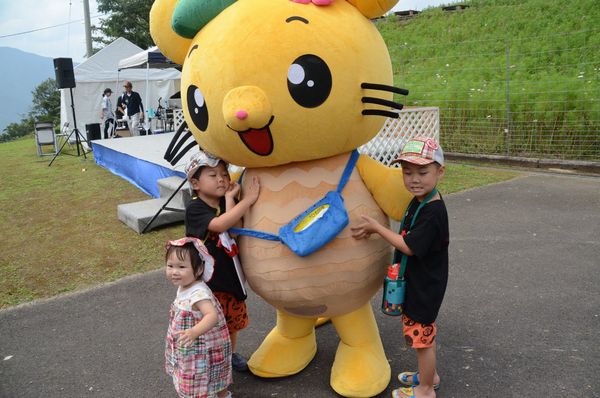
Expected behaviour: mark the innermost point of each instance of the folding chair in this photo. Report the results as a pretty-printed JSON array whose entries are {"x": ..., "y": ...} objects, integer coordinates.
[
  {"x": 63, "y": 136},
  {"x": 44, "y": 136}
]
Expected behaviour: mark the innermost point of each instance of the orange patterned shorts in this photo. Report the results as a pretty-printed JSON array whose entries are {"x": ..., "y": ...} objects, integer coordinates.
[
  {"x": 234, "y": 310},
  {"x": 418, "y": 335}
]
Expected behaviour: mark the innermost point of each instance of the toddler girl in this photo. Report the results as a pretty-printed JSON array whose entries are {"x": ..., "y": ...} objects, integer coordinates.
[{"x": 198, "y": 349}]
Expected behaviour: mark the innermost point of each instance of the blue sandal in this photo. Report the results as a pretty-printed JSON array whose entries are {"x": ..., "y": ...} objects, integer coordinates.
[{"x": 411, "y": 379}]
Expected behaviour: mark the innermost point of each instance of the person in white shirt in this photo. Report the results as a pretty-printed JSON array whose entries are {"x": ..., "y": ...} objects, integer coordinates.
[{"x": 107, "y": 114}]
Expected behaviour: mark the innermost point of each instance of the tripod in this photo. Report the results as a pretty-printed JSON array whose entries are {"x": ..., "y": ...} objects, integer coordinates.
[{"x": 74, "y": 131}]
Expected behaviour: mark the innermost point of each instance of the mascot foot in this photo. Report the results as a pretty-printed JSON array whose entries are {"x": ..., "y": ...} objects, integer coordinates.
[
  {"x": 280, "y": 355},
  {"x": 361, "y": 368},
  {"x": 360, "y": 371}
]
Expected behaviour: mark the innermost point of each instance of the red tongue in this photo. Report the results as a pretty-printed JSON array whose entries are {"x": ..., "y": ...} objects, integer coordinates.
[{"x": 258, "y": 141}]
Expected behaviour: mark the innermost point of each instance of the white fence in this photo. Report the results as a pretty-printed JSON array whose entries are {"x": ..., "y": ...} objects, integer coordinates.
[
  {"x": 413, "y": 121},
  {"x": 178, "y": 118}
]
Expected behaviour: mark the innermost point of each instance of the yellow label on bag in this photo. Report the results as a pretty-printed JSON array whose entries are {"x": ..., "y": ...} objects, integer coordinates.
[{"x": 311, "y": 218}]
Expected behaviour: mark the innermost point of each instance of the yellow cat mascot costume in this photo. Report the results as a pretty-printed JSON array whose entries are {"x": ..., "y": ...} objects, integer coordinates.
[{"x": 289, "y": 89}]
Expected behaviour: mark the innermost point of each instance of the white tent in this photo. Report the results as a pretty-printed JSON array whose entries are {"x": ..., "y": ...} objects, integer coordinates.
[
  {"x": 101, "y": 71},
  {"x": 151, "y": 58}
]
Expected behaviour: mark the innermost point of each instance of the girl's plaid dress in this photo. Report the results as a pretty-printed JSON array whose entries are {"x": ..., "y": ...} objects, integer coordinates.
[{"x": 204, "y": 368}]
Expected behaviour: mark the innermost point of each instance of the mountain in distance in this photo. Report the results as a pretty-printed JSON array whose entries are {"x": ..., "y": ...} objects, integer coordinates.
[{"x": 20, "y": 74}]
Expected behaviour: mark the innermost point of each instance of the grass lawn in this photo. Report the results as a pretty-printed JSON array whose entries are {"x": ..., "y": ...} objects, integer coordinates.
[{"x": 59, "y": 226}]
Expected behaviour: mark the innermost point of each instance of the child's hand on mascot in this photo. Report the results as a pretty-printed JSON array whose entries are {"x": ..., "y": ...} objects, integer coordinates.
[{"x": 252, "y": 191}]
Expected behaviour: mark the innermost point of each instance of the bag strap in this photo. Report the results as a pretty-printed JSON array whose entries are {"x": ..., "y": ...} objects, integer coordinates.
[
  {"x": 255, "y": 234},
  {"x": 268, "y": 236},
  {"x": 348, "y": 170},
  {"x": 404, "y": 258}
]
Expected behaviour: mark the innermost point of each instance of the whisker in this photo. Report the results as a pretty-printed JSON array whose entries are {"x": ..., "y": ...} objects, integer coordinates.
[
  {"x": 183, "y": 152},
  {"x": 384, "y": 87},
  {"x": 169, "y": 153},
  {"x": 380, "y": 112},
  {"x": 380, "y": 101},
  {"x": 174, "y": 152},
  {"x": 182, "y": 141}
]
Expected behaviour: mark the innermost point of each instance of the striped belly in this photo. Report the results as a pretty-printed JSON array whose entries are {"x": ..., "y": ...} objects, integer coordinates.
[{"x": 338, "y": 278}]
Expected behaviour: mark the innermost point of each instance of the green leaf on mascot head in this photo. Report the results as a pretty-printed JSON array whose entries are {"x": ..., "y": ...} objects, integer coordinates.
[{"x": 192, "y": 15}]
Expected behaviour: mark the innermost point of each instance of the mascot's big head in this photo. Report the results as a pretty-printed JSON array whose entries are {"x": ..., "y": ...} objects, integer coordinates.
[{"x": 268, "y": 82}]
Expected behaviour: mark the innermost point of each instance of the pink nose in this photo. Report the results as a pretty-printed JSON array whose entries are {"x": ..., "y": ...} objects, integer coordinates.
[{"x": 241, "y": 114}]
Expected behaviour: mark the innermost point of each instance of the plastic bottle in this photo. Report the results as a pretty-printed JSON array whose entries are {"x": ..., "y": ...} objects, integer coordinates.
[{"x": 393, "y": 292}]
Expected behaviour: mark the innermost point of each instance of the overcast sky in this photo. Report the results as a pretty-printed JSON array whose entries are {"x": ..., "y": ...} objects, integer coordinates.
[{"x": 68, "y": 40}]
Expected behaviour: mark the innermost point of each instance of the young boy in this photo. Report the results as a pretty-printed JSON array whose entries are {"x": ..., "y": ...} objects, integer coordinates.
[
  {"x": 211, "y": 212},
  {"x": 426, "y": 245}
]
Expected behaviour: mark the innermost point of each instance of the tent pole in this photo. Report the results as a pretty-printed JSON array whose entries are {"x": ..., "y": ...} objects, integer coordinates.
[
  {"x": 146, "y": 118},
  {"x": 118, "y": 92}
]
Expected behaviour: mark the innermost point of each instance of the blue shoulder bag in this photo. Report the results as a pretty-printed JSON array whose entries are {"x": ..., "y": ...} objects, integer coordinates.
[{"x": 315, "y": 226}]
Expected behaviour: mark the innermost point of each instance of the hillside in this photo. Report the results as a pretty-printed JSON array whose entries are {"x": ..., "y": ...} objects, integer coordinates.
[
  {"x": 20, "y": 73},
  {"x": 510, "y": 77}
]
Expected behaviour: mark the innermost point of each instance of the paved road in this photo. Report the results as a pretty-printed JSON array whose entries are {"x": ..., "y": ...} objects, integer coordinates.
[{"x": 520, "y": 319}]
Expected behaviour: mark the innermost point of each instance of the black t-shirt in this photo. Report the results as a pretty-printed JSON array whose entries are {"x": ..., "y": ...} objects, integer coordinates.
[
  {"x": 120, "y": 103},
  {"x": 133, "y": 103},
  {"x": 198, "y": 214},
  {"x": 427, "y": 270}
]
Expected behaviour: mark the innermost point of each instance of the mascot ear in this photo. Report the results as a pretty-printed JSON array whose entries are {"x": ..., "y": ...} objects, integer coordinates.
[
  {"x": 170, "y": 43},
  {"x": 192, "y": 15},
  {"x": 373, "y": 8},
  {"x": 173, "y": 23}
]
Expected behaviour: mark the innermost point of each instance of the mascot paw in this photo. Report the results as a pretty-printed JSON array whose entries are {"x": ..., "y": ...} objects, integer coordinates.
[
  {"x": 361, "y": 371},
  {"x": 280, "y": 356}
]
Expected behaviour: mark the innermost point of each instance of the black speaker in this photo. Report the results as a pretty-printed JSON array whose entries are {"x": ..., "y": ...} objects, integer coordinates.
[
  {"x": 92, "y": 131},
  {"x": 63, "y": 69}
]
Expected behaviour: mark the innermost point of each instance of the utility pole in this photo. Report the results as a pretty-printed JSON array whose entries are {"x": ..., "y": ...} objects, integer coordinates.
[{"x": 88, "y": 28}]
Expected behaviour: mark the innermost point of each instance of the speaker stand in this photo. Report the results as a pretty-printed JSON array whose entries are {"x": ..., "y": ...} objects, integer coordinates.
[{"x": 78, "y": 136}]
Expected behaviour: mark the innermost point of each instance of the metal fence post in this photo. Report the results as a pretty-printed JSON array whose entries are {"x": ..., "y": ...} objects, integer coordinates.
[{"x": 508, "y": 115}]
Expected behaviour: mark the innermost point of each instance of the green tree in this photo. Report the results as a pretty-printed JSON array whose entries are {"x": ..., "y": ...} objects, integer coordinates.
[
  {"x": 128, "y": 19},
  {"x": 16, "y": 130},
  {"x": 46, "y": 102},
  {"x": 45, "y": 107}
]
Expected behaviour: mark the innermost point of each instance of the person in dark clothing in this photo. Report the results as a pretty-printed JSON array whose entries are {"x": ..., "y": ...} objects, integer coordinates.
[
  {"x": 132, "y": 108},
  {"x": 118, "y": 111},
  {"x": 208, "y": 216},
  {"x": 425, "y": 243}
]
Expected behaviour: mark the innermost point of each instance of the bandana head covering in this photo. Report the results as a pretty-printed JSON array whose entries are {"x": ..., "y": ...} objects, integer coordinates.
[
  {"x": 200, "y": 159},
  {"x": 209, "y": 262}
]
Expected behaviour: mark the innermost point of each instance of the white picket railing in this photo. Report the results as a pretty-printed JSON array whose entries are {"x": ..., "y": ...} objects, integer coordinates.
[{"x": 413, "y": 121}]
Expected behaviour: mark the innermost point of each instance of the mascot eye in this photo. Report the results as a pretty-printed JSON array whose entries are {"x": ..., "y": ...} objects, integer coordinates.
[
  {"x": 309, "y": 81},
  {"x": 197, "y": 107}
]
